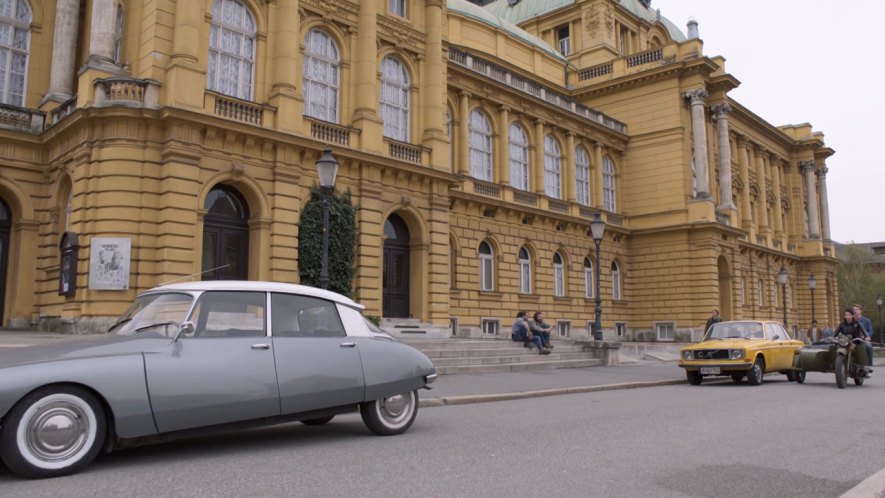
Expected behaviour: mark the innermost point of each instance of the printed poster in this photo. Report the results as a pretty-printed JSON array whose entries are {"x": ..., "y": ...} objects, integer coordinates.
[{"x": 109, "y": 263}]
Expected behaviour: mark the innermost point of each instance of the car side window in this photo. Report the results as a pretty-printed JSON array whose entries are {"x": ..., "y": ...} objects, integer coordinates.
[
  {"x": 230, "y": 314},
  {"x": 772, "y": 333},
  {"x": 303, "y": 316}
]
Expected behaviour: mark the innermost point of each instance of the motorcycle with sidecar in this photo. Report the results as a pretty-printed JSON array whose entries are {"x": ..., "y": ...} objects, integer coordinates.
[{"x": 839, "y": 355}]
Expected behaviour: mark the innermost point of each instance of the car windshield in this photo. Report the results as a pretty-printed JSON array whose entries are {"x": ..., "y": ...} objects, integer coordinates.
[
  {"x": 160, "y": 313},
  {"x": 736, "y": 330}
]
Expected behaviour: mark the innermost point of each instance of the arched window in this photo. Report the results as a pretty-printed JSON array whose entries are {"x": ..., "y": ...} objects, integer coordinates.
[
  {"x": 118, "y": 36},
  {"x": 760, "y": 294},
  {"x": 582, "y": 176},
  {"x": 608, "y": 184},
  {"x": 321, "y": 72},
  {"x": 589, "y": 283},
  {"x": 552, "y": 168},
  {"x": 69, "y": 209},
  {"x": 486, "y": 267},
  {"x": 616, "y": 281},
  {"x": 15, "y": 45},
  {"x": 519, "y": 158},
  {"x": 558, "y": 275},
  {"x": 395, "y": 99},
  {"x": 525, "y": 271},
  {"x": 480, "y": 146},
  {"x": 231, "y": 49}
]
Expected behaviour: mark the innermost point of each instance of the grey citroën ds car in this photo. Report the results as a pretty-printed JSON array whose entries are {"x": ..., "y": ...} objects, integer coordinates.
[{"x": 203, "y": 356}]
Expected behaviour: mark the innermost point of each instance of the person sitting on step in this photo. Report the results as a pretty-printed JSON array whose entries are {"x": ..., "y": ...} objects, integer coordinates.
[{"x": 522, "y": 332}]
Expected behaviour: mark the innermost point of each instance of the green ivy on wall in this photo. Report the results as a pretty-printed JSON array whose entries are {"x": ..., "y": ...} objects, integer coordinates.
[{"x": 342, "y": 240}]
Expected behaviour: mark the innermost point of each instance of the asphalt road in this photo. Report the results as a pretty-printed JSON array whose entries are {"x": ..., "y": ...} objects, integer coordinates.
[{"x": 718, "y": 439}]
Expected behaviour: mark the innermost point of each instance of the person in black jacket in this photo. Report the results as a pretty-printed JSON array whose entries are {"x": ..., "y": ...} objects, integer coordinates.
[
  {"x": 714, "y": 318},
  {"x": 852, "y": 329}
]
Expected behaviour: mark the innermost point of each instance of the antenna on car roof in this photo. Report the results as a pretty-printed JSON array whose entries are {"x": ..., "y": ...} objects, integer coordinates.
[{"x": 192, "y": 275}]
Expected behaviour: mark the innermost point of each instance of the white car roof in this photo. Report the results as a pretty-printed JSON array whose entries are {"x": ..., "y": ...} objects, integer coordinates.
[{"x": 253, "y": 285}]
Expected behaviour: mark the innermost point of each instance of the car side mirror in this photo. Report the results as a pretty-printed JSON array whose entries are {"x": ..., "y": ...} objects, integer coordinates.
[
  {"x": 186, "y": 328},
  {"x": 776, "y": 337}
]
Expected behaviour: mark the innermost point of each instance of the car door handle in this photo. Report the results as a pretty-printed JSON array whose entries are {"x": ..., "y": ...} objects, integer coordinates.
[
  {"x": 261, "y": 346},
  {"x": 348, "y": 344}
]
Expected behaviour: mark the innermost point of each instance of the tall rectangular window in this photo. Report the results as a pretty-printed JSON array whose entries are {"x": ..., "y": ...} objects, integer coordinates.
[
  {"x": 666, "y": 331},
  {"x": 398, "y": 7},
  {"x": 562, "y": 37},
  {"x": 563, "y": 328}
]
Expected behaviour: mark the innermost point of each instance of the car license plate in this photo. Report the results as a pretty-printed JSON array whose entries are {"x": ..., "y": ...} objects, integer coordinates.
[{"x": 710, "y": 370}]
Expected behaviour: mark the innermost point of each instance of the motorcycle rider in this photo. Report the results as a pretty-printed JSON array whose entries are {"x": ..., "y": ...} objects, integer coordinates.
[
  {"x": 867, "y": 328},
  {"x": 852, "y": 329}
]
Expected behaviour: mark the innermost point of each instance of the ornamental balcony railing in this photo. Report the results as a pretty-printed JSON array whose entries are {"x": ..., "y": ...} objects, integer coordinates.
[
  {"x": 642, "y": 61},
  {"x": 487, "y": 189},
  {"x": 20, "y": 118},
  {"x": 548, "y": 94},
  {"x": 330, "y": 133},
  {"x": 65, "y": 109},
  {"x": 235, "y": 109},
  {"x": 524, "y": 197},
  {"x": 404, "y": 151},
  {"x": 127, "y": 91}
]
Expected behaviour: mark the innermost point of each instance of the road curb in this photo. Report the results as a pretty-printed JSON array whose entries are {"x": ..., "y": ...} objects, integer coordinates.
[
  {"x": 489, "y": 398},
  {"x": 871, "y": 487}
]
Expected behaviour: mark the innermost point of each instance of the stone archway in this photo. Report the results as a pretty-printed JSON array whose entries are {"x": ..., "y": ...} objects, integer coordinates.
[
  {"x": 225, "y": 235},
  {"x": 726, "y": 310},
  {"x": 5, "y": 230}
]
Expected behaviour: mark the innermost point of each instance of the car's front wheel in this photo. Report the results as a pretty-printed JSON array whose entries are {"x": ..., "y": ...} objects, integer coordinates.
[
  {"x": 737, "y": 377},
  {"x": 52, "y": 432},
  {"x": 391, "y": 415},
  {"x": 800, "y": 376},
  {"x": 694, "y": 377},
  {"x": 755, "y": 374},
  {"x": 791, "y": 375}
]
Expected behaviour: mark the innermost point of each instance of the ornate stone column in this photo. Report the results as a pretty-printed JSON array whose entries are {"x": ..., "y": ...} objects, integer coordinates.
[
  {"x": 596, "y": 182},
  {"x": 101, "y": 35},
  {"x": 726, "y": 202},
  {"x": 699, "y": 136},
  {"x": 435, "y": 85},
  {"x": 538, "y": 170},
  {"x": 808, "y": 168},
  {"x": 762, "y": 206},
  {"x": 285, "y": 76},
  {"x": 746, "y": 207},
  {"x": 64, "y": 46},
  {"x": 464, "y": 134},
  {"x": 502, "y": 159},
  {"x": 824, "y": 202},
  {"x": 775, "y": 169},
  {"x": 184, "y": 73},
  {"x": 365, "y": 76},
  {"x": 568, "y": 173}
]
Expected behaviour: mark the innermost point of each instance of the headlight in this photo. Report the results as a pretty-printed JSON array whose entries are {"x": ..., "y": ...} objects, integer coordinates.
[
  {"x": 735, "y": 354},
  {"x": 686, "y": 355}
]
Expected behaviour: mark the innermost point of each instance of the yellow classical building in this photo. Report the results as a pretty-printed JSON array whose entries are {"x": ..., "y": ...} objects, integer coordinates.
[{"x": 143, "y": 142}]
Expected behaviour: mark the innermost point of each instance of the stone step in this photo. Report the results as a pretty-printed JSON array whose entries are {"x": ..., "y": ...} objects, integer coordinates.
[
  {"x": 490, "y": 352},
  {"x": 502, "y": 359},
  {"x": 426, "y": 344},
  {"x": 519, "y": 367}
]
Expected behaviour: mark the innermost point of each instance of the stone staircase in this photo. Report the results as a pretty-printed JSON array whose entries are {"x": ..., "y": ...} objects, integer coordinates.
[
  {"x": 460, "y": 356},
  {"x": 408, "y": 328}
]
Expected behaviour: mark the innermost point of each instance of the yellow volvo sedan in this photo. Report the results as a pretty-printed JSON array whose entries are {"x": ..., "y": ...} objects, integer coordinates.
[{"x": 738, "y": 349}]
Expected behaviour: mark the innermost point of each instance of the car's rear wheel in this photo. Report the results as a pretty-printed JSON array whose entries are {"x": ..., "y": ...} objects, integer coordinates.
[
  {"x": 318, "y": 420},
  {"x": 391, "y": 415},
  {"x": 52, "y": 432},
  {"x": 858, "y": 379},
  {"x": 737, "y": 377},
  {"x": 694, "y": 377},
  {"x": 791, "y": 375},
  {"x": 800, "y": 376},
  {"x": 755, "y": 374}
]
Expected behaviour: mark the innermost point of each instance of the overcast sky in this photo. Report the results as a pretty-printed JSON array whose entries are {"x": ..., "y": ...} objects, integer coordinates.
[{"x": 810, "y": 61}]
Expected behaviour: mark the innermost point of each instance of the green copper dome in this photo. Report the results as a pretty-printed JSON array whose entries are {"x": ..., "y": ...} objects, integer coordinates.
[{"x": 468, "y": 9}]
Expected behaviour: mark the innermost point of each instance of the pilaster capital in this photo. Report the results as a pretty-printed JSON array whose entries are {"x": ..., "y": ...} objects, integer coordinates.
[
  {"x": 503, "y": 108},
  {"x": 807, "y": 166},
  {"x": 697, "y": 96},
  {"x": 464, "y": 94},
  {"x": 822, "y": 173},
  {"x": 435, "y": 3},
  {"x": 720, "y": 111},
  {"x": 540, "y": 122}
]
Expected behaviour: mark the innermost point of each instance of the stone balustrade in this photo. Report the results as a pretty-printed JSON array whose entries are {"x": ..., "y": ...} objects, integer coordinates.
[{"x": 19, "y": 118}]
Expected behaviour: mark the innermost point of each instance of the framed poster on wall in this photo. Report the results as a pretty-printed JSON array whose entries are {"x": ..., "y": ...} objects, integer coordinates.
[{"x": 109, "y": 263}]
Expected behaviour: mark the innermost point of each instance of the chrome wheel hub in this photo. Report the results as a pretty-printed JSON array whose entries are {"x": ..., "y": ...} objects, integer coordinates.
[
  {"x": 395, "y": 408},
  {"x": 57, "y": 431}
]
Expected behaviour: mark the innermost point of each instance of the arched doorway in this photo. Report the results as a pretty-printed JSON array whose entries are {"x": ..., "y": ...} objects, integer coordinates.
[
  {"x": 395, "y": 297},
  {"x": 725, "y": 308},
  {"x": 5, "y": 228},
  {"x": 225, "y": 235}
]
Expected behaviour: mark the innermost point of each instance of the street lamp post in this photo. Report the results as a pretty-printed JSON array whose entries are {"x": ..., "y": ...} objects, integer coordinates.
[
  {"x": 597, "y": 231},
  {"x": 812, "y": 283},
  {"x": 881, "y": 328},
  {"x": 327, "y": 170},
  {"x": 782, "y": 279}
]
